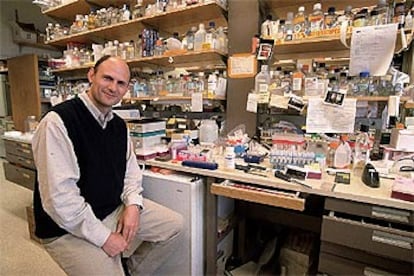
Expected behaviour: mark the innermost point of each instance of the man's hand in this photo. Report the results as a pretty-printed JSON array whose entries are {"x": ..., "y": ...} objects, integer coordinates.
[
  {"x": 128, "y": 223},
  {"x": 115, "y": 244}
]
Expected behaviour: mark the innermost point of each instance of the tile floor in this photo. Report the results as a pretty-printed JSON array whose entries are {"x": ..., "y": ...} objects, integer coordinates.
[{"x": 19, "y": 255}]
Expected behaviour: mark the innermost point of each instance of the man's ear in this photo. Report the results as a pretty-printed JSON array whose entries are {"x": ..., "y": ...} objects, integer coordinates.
[{"x": 91, "y": 74}]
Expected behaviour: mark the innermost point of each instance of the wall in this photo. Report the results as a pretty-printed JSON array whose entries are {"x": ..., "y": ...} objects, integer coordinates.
[{"x": 28, "y": 13}]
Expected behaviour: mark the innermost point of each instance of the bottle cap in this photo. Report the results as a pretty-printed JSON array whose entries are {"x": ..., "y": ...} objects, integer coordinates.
[{"x": 317, "y": 6}]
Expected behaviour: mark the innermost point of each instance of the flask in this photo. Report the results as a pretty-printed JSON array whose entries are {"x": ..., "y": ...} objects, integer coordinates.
[{"x": 229, "y": 158}]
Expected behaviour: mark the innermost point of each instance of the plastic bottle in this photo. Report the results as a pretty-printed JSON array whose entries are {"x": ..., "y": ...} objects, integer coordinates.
[
  {"x": 261, "y": 84},
  {"x": 362, "y": 148},
  {"x": 229, "y": 158},
  {"x": 316, "y": 18},
  {"x": 208, "y": 131},
  {"x": 289, "y": 27},
  {"x": 199, "y": 37}
]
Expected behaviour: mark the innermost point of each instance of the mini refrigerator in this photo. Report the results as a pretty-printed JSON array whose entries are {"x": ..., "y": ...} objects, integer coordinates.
[{"x": 185, "y": 195}]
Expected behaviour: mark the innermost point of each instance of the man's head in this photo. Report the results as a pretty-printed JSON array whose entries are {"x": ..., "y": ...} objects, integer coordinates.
[{"x": 109, "y": 80}]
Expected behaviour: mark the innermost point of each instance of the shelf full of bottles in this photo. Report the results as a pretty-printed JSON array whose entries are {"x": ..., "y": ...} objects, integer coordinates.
[
  {"x": 307, "y": 30},
  {"x": 176, "y": 20}
]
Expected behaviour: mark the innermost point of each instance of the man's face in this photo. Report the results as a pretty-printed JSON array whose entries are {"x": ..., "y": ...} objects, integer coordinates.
[{"x": 109, "y": 83}]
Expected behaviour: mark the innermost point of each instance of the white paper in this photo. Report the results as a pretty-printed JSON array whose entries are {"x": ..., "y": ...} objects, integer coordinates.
[
  {"x": 251, "y": 105},
  {"x": 322, "y": 118},
  {"x": 372, "y": 49},
  {"x": 279, "y": 101},
  {"x": 197, "y": 102}
]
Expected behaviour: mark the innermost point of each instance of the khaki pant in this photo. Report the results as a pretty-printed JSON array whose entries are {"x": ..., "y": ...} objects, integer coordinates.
[{"x": 156, "y": 239}]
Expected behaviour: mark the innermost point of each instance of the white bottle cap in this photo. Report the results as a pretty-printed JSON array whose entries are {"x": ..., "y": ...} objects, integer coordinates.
[{"x": 317, "y": 6}]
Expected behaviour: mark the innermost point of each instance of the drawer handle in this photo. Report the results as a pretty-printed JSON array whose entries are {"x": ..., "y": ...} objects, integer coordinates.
[
  {"x": 370, "y": 271},
  {"x": 392, "y": 239},
  {"x": 390, "y": 214},
  {"x": 24, "y": 151},
  {"x": 26, "y": 175}
]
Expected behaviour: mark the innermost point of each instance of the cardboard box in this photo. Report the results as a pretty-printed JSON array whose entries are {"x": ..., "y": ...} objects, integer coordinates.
[
  {"x": 23, "y": 34},
  {"x": 31, "y": 223},
  {"x": 402, "y": 139}
]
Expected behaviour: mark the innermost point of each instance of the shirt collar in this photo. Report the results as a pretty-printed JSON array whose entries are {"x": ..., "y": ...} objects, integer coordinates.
[{"x": 96, "y": 113}]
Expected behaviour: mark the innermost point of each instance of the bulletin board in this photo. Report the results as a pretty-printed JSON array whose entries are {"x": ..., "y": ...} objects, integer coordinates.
[{"x": 242, "y": 66}]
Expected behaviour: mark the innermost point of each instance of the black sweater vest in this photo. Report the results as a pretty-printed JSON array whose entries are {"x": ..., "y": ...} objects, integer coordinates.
[{"x": 101, "y": 155}]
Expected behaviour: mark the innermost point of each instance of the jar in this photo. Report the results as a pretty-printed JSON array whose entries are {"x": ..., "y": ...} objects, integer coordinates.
[
  {"x": 208, "y": 131},
  {"x": 360, "y": 20},
  {"x": 30, "y": 124}
]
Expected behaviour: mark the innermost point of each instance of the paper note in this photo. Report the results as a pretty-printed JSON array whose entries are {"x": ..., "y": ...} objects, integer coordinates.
[
  {"x": 322, "y": 118},
  {"x": 197, "y": 102},
  {"x": 372, "y": 49},
  {"x": 251, "y": 105}
]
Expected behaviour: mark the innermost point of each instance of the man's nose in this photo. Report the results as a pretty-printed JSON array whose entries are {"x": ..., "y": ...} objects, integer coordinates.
[{"x": 112, "y": 85}]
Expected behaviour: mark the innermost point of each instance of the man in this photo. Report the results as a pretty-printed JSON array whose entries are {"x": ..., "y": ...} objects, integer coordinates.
[{"x": 89, "y": 211}]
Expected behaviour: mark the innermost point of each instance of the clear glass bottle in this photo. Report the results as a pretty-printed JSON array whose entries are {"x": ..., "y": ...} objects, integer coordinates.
[
  {"x": 382, "y": 12},
  {"x": 261, "y": 84},
  {"x": 30, "y": 124},
  {"x": 266, "y": 27},
  {"x": 289, "y": 27},
  {"x": 199, "y": 37},
  {"x": 348, "y": 16},
  {"x": 331, "y": 18},
  {"x": 362, "y": 148},
  {"x": 362, "y": 84},
  {"x": 211, "y": 37},
  {"x": 316, "y": 18},
  {"x": 299, "y": 21}
]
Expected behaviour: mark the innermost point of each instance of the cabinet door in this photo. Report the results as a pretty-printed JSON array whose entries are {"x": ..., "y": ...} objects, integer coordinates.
[{"x": 24, "y": 88}]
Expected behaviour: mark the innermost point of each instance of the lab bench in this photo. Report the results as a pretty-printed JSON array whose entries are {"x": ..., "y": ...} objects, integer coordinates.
[{"x": 361, "y": 229}]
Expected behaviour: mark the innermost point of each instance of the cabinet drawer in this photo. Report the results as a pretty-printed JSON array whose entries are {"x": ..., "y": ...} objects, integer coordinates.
[
  {"x": 18, "y": 148},
  {"x": 23, "y": 161},
  {"x": 336, "y": 265},
  {"x": 361, "y": 260},
  {"x": 378, "y": 240},
  {"x": 259, "y": 195},
  {"x": 370, "y": 211},
  {"x": 20, "y": 176}
]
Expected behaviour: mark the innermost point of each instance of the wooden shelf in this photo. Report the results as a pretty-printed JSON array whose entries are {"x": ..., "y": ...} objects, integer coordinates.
[
  {"x": 320, "y": 47},
  {"x": 179, "y": 20},
  {"x": 409, "y": 104},
  {"x": 171, "y": 98},
  {"x": 69, "y": 10},
  {"x": 211, "y": 59}
]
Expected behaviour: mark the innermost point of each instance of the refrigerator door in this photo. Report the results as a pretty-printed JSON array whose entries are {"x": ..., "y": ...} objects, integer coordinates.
[{"x": 185, "y": 195}]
